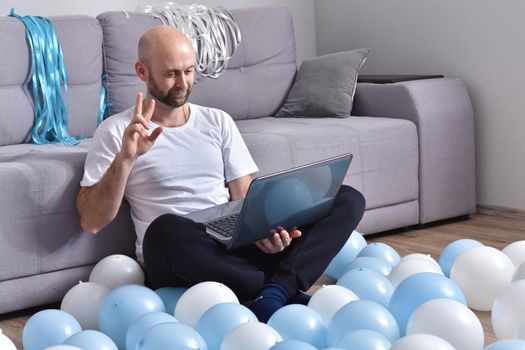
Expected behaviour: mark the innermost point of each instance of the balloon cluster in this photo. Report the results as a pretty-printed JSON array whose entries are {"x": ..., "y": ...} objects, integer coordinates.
[
  {"x": 380, "y": 301},
  {"x": 431, "y": 301}
]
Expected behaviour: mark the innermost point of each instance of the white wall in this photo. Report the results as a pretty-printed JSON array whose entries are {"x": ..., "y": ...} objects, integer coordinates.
[
  {"x": 480, "y": 41},
  {"x": 302, "y": 11}
]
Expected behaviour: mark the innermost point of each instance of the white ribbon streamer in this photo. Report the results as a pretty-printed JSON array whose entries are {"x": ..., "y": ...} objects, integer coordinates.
[{"x": 214, "y": 34}]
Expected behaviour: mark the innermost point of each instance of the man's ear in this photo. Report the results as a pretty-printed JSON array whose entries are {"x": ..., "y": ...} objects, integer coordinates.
[{"x": 141, "y": 70}]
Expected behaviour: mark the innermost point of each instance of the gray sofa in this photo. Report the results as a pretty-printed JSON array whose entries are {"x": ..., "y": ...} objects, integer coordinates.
[{"x": 413, "y": 142}]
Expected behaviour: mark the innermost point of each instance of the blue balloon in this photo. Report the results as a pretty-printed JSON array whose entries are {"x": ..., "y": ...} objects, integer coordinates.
[
  {"x": 507, "y": 344},
  {"x": 381, "y": 251},
  {"x": 299, "y": 322},
  {"x": 289, "y": 344},
  {"x": 368, "y": 285},
  {"x": 364, "y": 339},
  {"x": 221, "y": 319},
  {"x": 453, "y": 250},
  {"x": 91, "y": 340},
  {"x": 122, "y": 306},
  {"x": 143, "y": 323},
  {"x": 417, "y": 289},
  {"x": 346, "y": 255},
  {"x": 362, "y": 314},
  {"x": 47, "y": 328},
  {"x": 370, "y": 262},
  {"x": 170, "y": 336},
  {"x": 170, "y": 296}
]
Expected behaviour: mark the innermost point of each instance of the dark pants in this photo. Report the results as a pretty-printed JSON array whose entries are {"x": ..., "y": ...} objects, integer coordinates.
[{"x": 179, "y": 253}]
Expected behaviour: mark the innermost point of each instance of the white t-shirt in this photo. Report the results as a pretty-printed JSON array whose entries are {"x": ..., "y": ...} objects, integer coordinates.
[{"x": 186, "y": 169}]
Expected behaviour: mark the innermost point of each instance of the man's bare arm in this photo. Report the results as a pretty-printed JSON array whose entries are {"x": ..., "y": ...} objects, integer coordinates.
[
  {"x": 239, "y": 187},
  {"x": 98, "y": 204}
]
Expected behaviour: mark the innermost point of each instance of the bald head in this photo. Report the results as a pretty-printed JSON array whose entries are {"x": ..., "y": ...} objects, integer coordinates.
[
  {"x": 167, "y": 65},
  {"x": 161, "y": 41}
]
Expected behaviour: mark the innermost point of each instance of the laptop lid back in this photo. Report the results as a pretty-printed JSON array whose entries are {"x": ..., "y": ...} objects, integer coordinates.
[{"x": 292, "y": 198}]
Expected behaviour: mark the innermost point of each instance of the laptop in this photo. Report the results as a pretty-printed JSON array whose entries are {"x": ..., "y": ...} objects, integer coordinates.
[{"x": 290, "y": 198}]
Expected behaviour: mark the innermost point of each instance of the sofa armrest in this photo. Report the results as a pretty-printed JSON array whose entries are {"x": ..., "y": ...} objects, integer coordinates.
[{"x": 442, "y": 112}]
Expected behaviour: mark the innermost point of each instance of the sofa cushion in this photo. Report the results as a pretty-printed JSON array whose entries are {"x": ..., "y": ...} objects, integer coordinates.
[
  {"x": 122, "y": 31},
  {"x": 19, "y": 216},
  {"x": 17, "y": 112},
  {"x": 254, "y": 84},
  {"x": 81, "y": 40},
  {"x": 262, "y": 70},
  {"x": 43, "y": 230},
  {"x": 325, "y": 85},
  {"x": 385, "y": 164}
]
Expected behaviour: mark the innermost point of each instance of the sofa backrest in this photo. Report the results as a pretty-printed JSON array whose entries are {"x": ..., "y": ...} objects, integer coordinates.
[
  {"x": 81, "y": 41},
  {"x": 255, "y": 83},
  {"x": 257, "y": 78}
]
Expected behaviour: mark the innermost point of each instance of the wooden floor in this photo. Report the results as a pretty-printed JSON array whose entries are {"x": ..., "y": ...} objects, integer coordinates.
[{"x": 491, "y": 228}]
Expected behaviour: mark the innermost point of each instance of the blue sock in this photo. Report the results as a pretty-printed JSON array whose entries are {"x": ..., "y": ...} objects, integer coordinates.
[
  {"x": 300, "y": 298},
  {"x": 271, "y": 298}
]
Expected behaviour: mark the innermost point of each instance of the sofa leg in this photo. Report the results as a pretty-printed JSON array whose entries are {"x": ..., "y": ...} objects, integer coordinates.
[
  {"x": 441, "y": 222},
  {"x": 377, "y": 235}
]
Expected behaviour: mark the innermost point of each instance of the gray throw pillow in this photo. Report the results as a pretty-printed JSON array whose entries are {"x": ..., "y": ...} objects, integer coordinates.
[{"x": 325, "y": 86}]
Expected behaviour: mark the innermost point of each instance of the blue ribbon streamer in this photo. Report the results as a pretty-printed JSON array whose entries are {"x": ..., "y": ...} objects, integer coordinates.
[
  {"x": 104, "y": 101},
  {"x": 48, "y": 82}
]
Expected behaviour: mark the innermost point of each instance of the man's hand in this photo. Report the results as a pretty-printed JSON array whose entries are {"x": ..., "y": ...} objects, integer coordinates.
[
  {"x": 136, "y": 141},
  {"x": 279, "y": 240}
]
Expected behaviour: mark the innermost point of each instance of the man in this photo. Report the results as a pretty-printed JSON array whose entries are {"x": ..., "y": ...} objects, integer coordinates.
[{"x": 168, "y": 157}]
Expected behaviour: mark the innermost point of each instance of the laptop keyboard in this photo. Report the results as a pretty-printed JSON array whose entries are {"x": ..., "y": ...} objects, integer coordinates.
[{"x": 225, "y": 225}]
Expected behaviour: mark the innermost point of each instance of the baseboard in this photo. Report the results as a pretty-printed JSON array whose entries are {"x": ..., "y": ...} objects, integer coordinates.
[{"x": 504, "y": 212}]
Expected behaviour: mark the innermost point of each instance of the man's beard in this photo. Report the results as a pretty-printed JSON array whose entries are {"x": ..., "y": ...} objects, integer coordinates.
[{"x": 172, "y": 97}]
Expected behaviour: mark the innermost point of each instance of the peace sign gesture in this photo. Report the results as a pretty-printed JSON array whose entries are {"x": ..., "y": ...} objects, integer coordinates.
[{"x": 136, "y": 140}]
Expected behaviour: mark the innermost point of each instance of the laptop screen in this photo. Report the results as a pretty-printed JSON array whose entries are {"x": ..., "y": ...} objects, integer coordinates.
[{"x": 292, "y": 198}]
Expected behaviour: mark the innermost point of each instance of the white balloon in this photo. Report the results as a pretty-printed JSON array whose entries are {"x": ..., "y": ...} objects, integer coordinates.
[
  {"x": 508, "y": 312},
  {"x": 520, "y": 331},
  {"x": 328, "y": 299},
  {"x": 6, "y": 343},
  {"x": 82, "y": 302},
  {"x": 482, "y": 273},
  {"x": 116, "y": 270},
  {"x": 408, "y": 267},
  {"x": 519, "y": 274},
  {"x": 449, "y": 320},
  {"x": 194, "y": 302},
  {"x": 421, "y": 342},
  {"x": 251, "y": 335},
  {"x": 516, "y": 253},
  {"x": 426, "y": 257},
  {"x": 62, "y": 347}
]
